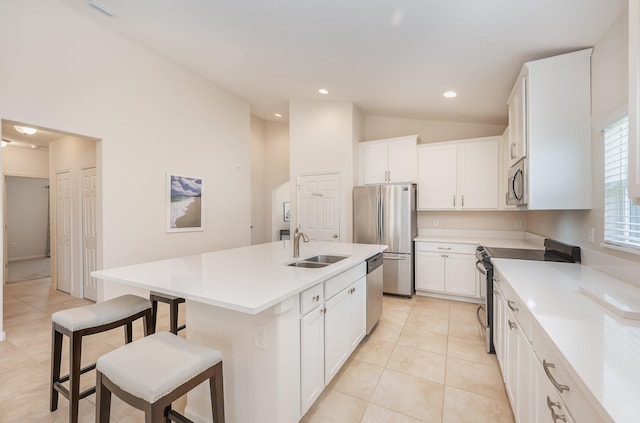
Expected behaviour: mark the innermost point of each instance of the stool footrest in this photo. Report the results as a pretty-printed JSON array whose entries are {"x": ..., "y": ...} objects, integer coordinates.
[
  {"x": 64, "y": 391},
  {"x": 65, "y": 378},
  {"x": 174, "y": 416}
]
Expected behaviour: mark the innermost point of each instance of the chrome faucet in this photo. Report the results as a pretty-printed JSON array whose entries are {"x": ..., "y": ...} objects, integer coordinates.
[{"x": 296, "y": 242}]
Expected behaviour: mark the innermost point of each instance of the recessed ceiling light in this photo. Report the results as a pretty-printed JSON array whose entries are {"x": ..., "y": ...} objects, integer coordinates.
[
  {"x": 323, "y": 91},
  {"x": 25, "y": 130},
  {"x": 278, "y": 115},
  {"x": 450, "y": 94},
  {"x": 33, "y": 146}
]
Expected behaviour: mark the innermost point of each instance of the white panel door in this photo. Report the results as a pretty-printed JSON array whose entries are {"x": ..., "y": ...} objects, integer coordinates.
[
  {"x": 63, "y": 232},
  {"x": 319, "y": 206},
  {"x": 89, "y": 238}
]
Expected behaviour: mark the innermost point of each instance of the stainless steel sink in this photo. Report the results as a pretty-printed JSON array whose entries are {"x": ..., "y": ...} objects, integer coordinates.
[
  {"x": 324, "y": 258},
  {"x": 309, "y": 264},
  {"x": 321, "y": 260}
]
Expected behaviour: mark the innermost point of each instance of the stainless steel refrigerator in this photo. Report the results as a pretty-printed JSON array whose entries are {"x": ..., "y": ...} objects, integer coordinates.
[{"x": 386, "y": 214}]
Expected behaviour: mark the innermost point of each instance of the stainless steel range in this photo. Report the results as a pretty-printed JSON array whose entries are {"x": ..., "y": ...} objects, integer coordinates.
[{"x": 554, "y": 251}]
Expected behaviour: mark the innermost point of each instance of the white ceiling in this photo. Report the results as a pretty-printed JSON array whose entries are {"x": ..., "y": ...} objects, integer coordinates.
[{"x": 390, "y": 57}]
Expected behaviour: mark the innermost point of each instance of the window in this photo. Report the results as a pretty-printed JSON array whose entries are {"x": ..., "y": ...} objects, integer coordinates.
[{"x": 621, "y": 217}]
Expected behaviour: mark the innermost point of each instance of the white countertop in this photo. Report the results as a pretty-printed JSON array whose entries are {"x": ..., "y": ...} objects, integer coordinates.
[
  {"x": 247, "y": 279},
  {"x": 602, "y": 348}
]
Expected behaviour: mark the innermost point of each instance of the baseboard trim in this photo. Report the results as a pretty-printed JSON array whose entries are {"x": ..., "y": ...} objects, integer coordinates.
[{"x": 3, "y": 336}]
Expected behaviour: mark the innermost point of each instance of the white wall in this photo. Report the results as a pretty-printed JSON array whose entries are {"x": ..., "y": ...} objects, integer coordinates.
[
  {"x": 377, "y": 127},
  {"x": 151, "y": 116},
  {"x": 27, "y": 217},
  {"x": 18, "y": 161},
  {"x": 276, "y": 160},
  {"x": 258, "y": 221},
  {"x": 322, "y": 141},
  {"x": 280, "y": 195}
]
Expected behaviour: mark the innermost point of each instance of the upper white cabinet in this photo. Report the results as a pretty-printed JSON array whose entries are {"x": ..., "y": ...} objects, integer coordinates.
[
  {"x": 459, "y": 175},
  {"x": 518, "y": 120},
  {"x": 389, "y": 160},
  {"x": 550, "y": 127}
]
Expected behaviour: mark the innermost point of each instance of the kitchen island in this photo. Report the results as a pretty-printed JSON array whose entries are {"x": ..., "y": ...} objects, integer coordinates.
[{"x": 248, "y": 303}]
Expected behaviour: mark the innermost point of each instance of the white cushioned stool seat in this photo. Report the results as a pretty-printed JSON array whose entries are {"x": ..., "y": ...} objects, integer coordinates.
[
  {"x": 102, "y": 313},
  {"x": 155, "y": 365},
  {"x": 153, "y": 372}
]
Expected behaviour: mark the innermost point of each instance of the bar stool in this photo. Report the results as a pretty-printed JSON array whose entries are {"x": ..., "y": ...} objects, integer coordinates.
[
  {"x": 173, "y": 302},
  {"x": 151, "y": 373},
  {"x": 79, "y": 322}
]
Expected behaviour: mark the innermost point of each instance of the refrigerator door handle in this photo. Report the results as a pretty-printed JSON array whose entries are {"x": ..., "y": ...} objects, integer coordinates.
[{"x": 381, "y": 220}]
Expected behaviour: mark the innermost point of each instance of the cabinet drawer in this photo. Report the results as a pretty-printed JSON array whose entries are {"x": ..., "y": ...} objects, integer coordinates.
[
  {"x": 518, "y": 308},
  {"x": 446, "y": 247},
  {"x": 579, "y": 404},
  {"x": 343, "y": 280},
  {"x": 311, "y": 298}
]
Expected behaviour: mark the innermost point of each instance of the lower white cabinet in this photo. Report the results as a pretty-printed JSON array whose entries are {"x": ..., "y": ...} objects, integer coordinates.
[
  {"x": 345, "y": 327},
  {"x": 311, "y": 357},
  {"x": 332, "y": 324},
  {"x": 446, "y": 268},
  {"x": 538, "y": 380}
]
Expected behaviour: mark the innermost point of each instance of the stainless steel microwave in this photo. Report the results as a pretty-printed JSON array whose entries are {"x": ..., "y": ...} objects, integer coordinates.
[{"x": 516, "y": 186}]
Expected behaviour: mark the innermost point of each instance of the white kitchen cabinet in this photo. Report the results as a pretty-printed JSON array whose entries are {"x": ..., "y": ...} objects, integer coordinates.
[
  {"x": 499, "y": 319},
  {"x": 517, "y": 102},
  {"x": 446, "y": 268},
  {"x": 345, "y": 326},
  {"x": 391, "y": 160},
  {"x": 459, "y": 175},
  {"x": 311, "y": 357},
  {"x": 634, "y": 99},
  {"x": 330, "y": 330},
  {"x": 548, "y": 407},
  {"x": 550, "y": 126}
]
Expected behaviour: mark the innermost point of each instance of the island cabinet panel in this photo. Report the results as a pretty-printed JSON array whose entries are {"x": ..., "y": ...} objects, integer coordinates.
[
  {"x": 311, "y": 357},
  {"x": 330, "y": 330}
]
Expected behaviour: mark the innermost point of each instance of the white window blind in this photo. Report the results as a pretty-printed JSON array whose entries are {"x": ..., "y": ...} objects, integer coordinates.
[{"x": 621, "y": 217}]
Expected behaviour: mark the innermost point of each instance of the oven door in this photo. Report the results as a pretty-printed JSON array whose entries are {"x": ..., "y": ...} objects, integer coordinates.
[{"x": 484, "y": 276}]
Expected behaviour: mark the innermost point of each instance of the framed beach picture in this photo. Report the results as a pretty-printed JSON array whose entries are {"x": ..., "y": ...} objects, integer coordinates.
[{"x": 185, "y": 208}]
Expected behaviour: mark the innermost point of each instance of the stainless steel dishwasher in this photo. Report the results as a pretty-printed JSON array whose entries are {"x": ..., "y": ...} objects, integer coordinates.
[{"x": 374, "y": 290}]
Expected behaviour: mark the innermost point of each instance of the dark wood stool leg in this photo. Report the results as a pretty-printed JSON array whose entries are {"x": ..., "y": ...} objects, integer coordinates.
[
  {"x": 154, "y": 313},
  {"x": 103, "y": 401},
  {"x": 75, "y": 350},
  {"x": 149, "y": 325},
  {"x": 128, "y": 333},
  {"x": 173, "y": 314},
  {"x": 56, "y": 359},
  {"x": 217, "y": 394}
]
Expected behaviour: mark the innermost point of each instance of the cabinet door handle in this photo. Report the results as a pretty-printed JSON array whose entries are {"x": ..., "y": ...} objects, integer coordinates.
[
  {"x": 462, "y": 203},
  {"x": 444, "y": 248},
  {"x": 454, "y": 200},
  {"x": 555, "y": 416},
  {"x": 323, "y": 310},
  {"x": 315, "y": 298},
  {"x": 512, "y": 325},
  {"x": 510, "y": 304},
  {"x": 546, "y": 366}
]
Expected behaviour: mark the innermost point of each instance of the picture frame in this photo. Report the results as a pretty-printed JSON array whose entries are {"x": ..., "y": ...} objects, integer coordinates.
[
  {"x": 184, "y": 203},
  {"x": 286, "y": 211}
]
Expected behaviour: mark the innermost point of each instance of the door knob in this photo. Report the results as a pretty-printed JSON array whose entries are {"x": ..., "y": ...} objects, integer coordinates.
[{"x": 335, "y": 235}]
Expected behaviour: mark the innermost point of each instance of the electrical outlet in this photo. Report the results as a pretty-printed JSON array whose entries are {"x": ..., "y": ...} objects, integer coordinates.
[
  {"x": 435, "y": 222},
  {"x": 260, "y": 337},
  {"x": 517, "y": 223}
]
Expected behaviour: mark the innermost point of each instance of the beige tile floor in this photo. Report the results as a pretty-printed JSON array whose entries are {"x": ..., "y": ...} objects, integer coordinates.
[
  {"x": 423, "y": 363},
  {"x": 25, "y": 356}
]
